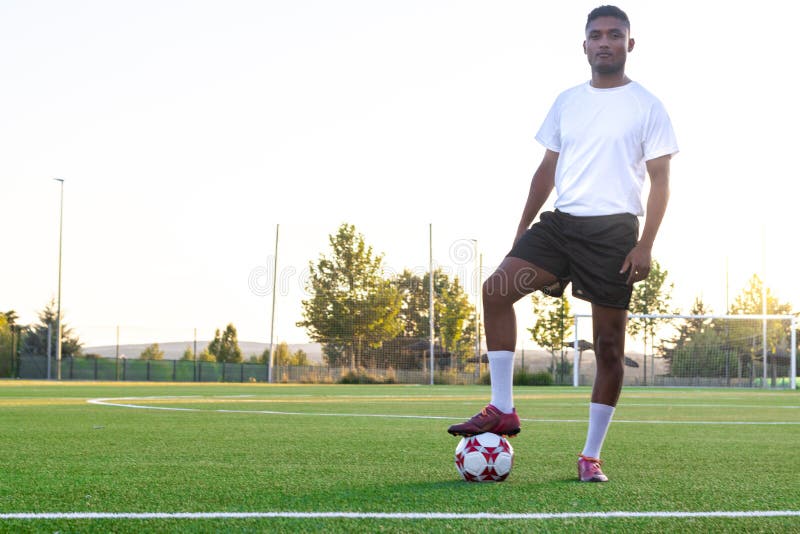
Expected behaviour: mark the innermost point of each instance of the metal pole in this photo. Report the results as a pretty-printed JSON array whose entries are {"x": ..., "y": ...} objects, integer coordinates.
[
  {"x": 480, "y": 297},
  {"x": 793, "y": 366},
  {"x": 49, "y": 347},
  {"x": 195, "y": 356},
  {"x": 576, "y": 372},
  {"x": 430, "y": 290},
  {"x": 58, "y": 312},
  {"x": 477, "y": 299},
  {"x": 764, "y": 299},
  {"x": 116, "y": 358},
  {"x": 274, "y": 294}
]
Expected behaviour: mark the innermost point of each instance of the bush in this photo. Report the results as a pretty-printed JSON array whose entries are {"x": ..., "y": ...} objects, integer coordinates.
[
  {"x": 524, "y": 378},
  {"x": 360, "y": 376}
]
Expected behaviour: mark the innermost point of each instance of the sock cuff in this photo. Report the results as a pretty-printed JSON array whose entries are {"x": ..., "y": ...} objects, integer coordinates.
[
  {"x": 500, "y": 355},
  {"x": 603, "y": 409}
]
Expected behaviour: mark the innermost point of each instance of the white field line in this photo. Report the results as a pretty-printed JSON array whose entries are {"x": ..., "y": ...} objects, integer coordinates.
[
  {"x": 112, "y": 402},
  {"x": 398, "y": 515}
]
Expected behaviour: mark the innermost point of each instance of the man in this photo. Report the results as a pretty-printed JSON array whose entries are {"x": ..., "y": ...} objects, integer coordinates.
[{"x": 600, "y": 138}]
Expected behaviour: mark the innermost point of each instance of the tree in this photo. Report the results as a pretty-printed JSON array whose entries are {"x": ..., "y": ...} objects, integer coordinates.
[
  {"x": 552, "y": 329},
  {"x": 152, "y": 352},
  {"x": 188, "y": 355},
  {"x": 206, "y": 356},
  {"x": 225, "y": 346},
  {"x": 352, "y": 307},
  {"x": 749, "y": 341},
  {"x": 650, "y": 297},
  {"x": 6, "y": 345},
  {"x": 453, "y": 314},
  {"x": 34, "y": 341},
  {"x": 284, "y": 357},
  {"x": 688, "y": 354},
  {"x": 282, "y": 354},
  {"x": 300, "y": 358},
  {"x": 731, "y": 348}
]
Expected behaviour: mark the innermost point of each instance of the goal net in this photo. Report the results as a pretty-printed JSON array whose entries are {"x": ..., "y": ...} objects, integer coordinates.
[{"x": 699, "y": 350}]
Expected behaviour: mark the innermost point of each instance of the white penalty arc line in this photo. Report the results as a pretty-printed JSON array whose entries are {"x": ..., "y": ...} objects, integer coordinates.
[
  {"x": 110, "y": 402},
  {"x": 397, "y": 515}
]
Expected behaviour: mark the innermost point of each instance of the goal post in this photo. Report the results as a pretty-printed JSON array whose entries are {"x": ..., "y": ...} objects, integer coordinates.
[{"x": 699, "y": 350}]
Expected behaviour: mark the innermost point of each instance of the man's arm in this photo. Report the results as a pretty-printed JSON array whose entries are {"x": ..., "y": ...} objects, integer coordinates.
[
  {"x": 541, "y": 185},
  {"x": 637, "y": 263}
]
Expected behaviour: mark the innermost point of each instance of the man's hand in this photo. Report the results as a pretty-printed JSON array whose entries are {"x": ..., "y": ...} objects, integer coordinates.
[{"x": 637, "y": 264}]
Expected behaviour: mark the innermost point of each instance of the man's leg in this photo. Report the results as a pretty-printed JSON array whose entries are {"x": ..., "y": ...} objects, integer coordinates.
[
  {"x": 512, "y": 280},
  {"x": 609, "y": 348}
]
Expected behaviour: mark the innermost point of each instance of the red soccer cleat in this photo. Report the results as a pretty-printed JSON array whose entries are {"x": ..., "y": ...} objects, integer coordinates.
[
  {"x": 589, "y": 469},
  {"x": 490, "y": 419}
]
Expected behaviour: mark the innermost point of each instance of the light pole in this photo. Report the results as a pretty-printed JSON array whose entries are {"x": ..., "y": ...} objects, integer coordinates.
[
  {"x": 477, "y": 282},
  {"x": 58, "y": 311}
]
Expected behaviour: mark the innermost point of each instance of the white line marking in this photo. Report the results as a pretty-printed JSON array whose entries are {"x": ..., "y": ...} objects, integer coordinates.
[
  {"x": 108, "y": 402},
  {"x": 398, "y": 515}
]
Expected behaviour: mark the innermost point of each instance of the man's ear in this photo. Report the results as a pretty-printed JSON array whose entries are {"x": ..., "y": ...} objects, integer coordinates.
[
  {"x": 631, "y": 42},
  {"x": 584, "y": 48}
]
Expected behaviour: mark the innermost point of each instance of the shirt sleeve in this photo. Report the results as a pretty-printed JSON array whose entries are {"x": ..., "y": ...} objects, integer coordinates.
[
  {"x": 549, "y": 134},
  {"x": 659, "y": 137}
]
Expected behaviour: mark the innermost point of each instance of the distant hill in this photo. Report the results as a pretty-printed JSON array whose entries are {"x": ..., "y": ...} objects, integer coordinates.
[{"x": 174, "y": 350}]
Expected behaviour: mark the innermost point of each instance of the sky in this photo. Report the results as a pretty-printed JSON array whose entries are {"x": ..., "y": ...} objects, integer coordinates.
[{"x": 187, "y": 131}]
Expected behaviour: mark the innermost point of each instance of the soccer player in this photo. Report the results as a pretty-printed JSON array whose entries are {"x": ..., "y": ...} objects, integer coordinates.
[{"x": 599, "y": 138}]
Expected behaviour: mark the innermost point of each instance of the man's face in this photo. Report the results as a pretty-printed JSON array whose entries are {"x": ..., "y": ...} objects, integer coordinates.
[{"x": 607, "y": 45}]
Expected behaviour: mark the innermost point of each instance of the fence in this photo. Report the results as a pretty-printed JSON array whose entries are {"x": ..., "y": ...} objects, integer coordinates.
[
  {"x": 123, "y": 369},
  {"x": 704, "y": 351}
]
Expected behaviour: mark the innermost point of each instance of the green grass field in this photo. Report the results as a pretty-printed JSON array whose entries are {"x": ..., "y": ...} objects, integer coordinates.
[{"x": 253, "y": 448}]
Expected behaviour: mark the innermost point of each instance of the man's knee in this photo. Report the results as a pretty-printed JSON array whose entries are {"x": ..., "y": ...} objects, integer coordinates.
[
  {"x": 495, "y": 290},
  {"x": 609, "y": 347}
]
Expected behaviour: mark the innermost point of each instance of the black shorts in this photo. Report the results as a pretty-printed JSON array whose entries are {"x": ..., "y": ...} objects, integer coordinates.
[{"x": 587, "y": 251}]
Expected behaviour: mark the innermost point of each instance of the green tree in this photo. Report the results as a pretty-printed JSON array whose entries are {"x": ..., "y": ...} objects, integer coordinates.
[
  {"x": 688, "y": 353},
  {"x": 453, "y": 314},
  {"x": 352, "y": 307},
  {"x": 225, "y": 346},
  {"x": 6, "y": 345},
  {"x": 188, "y": 355},
  {"x": 152, "y": 352},
  {"x": 34, "y": 341},
  {"x": 650, "y": 297},
  {"x": 206, "y": 356},
  {"x": 747, "y": 336},
  {"x": 300, "y": 358},
  {"x": 553, "y": 330},
  {"x": 282, "y": 354}
]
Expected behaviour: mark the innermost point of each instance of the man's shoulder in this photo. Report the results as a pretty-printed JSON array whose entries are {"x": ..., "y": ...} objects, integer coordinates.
[
  {"x": 643, "y": 93},
  {"x": 572, "y": 91},
  {"x": 570, "y": 95}
]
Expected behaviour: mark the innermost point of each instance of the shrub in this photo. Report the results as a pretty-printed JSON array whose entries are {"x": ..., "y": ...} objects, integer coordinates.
[
  {"x": 524, "y": 378},
  {"x": 360, "y": 376}
]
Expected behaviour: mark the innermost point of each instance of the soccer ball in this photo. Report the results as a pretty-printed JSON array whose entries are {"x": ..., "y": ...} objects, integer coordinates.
[{"x": 484, "y": 458}]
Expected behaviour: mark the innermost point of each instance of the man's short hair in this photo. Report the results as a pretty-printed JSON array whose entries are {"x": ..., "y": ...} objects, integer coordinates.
[{"x": 608, "y": 11}]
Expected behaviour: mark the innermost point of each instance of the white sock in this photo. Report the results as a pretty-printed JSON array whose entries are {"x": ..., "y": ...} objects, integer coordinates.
[
  {"x": 501, "y": 371},
  {"x": 599, "y": 419}
]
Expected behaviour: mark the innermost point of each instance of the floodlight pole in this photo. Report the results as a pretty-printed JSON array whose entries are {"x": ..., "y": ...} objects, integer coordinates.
[
  {"x": 58, "y": 311},
  {"x": 477, "y": 301},
  {"x": 272, "y": 315},
  {"x": 430, "y": 299},
  {"x": 764, "y": 301},
  {"x": 793, "y": 364}
]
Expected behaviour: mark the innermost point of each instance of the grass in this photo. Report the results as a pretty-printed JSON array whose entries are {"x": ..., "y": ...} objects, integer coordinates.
[{"x": 59, "y": 453}]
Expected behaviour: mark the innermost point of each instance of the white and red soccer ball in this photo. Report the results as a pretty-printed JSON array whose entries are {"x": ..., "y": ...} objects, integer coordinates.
[{"x": 484, "y": 458}]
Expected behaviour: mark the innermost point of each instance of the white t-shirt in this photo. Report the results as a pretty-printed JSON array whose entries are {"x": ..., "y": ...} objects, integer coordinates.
[{"x": 604, "y": 137}]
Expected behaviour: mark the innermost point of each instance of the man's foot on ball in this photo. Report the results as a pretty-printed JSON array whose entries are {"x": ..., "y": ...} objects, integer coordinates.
[{"x": 490, "y": 419}]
